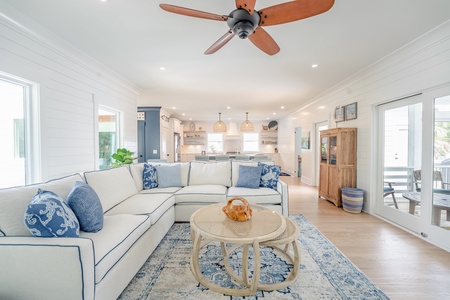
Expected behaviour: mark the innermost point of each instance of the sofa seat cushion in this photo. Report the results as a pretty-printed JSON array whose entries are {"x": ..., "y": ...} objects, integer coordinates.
[
  {"x": 255, "y": 196},
  {"x": 154, "y": 205},
  {"x": 118, "y": 235},
  {"x": 14, "y": 202},
  {"x": 201, "y": 194},
  {"x": 168, "y": 190}
]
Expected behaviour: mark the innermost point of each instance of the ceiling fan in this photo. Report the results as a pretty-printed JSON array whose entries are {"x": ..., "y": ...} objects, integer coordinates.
[{"x": 246, "y": 22}]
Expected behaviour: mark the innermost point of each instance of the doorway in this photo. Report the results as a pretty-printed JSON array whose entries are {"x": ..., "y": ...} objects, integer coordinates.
[
  {"x": 414, "y": 159},
  {"x": 316, "y": 141},
  {"x": 298, "y": 151}
]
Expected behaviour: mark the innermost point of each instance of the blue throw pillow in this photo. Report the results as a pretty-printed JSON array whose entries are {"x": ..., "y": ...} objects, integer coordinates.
[
  {"x": 150, "y": 177},
  {"x": 48, "y": 215},
  {"x": 169, "y": 175},
  {"x": 249, "y": 176},
  {"x": 86, "y": 205},
  {"x": 269, "y": 175}
]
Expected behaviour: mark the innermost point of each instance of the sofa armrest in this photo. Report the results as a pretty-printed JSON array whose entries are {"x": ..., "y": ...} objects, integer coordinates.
[
  {"x": 46, "y": 268},
  {"x": 282, "y": 188}
]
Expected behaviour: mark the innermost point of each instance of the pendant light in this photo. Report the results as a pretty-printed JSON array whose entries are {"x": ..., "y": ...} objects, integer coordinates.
[
  {"x": 220, "y": 126},
  {"x": 247, "y": 126}
]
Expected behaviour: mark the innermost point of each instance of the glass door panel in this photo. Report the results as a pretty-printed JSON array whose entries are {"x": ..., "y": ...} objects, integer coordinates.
[
  {"x": 441, "y": 177},
  {"x": 333, "y": 147},
  {"x": 324, "y": 150},
  {"x": 402, "y": 156}
]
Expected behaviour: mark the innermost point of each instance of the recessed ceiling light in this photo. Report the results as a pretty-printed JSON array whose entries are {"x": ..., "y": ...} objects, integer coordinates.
[
  {"x": 321, "y": 107},
  {"x": 190, "y": 119},
  {"x": 282, "y": 107},
  {"x": 228, "y": 107},
  {"x": 274, "y": 114},
  {"x": 183, "y": 114},
  {"x": 162, "y": 68},
  {"x": 103, "y": 0},
  {"x": 314, "y": 66},
  {"x": 173, "y": 107}
]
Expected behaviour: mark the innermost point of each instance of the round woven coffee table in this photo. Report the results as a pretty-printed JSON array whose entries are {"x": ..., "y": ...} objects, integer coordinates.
[{"x": 269, "y": 228}]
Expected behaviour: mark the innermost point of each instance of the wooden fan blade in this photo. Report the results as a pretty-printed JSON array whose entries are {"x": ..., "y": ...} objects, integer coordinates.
[
  {"x": 293, "y": 11},
  {"x": 248, "y": 5},
  {"x": 192, "y": 12},
  {"x": 261, "y": 39},
  {"x": 220, "y": 42}
]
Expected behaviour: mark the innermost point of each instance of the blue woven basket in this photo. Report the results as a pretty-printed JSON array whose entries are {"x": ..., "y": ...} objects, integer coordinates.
[{"x": 352, "y": 200}]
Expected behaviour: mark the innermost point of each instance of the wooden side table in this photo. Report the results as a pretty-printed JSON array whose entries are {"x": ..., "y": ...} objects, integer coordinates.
[{"x": 266, "y": 228}]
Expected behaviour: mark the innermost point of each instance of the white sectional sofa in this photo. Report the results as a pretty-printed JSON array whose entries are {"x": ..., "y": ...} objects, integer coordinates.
[{"x": 100, "y": 265}]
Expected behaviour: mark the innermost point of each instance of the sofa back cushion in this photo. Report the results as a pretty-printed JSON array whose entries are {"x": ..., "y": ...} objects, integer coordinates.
[
  {"x": 112, "y": 186},
  {"x": 14, "y": 202},
  {"x": 137, "y": 171},
  {"x": 218, "y": 173}
]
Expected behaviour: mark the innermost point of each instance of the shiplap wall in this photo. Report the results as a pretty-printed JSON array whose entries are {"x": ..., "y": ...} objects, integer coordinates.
[
  {"x": 422, "y": 65},
  {"x": 71, "y": 87}
]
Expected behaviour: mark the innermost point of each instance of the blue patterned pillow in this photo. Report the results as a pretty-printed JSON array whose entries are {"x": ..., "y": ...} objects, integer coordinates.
[
  {"x": 86, "y": 205},
  {"x": 169, "y": 175},
  {"x": 48, "y": 215},
  {"x": 150, "y": 177},
  {"x": 249, "y": 176},
  {"x": 269, "y": 175}
]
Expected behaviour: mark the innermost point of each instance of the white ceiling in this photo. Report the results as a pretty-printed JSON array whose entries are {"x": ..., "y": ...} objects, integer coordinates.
[{"x": 135, "y": 38}]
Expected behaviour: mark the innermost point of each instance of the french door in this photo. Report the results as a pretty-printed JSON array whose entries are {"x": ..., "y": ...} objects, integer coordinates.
[{"x": 414, "y": 159}]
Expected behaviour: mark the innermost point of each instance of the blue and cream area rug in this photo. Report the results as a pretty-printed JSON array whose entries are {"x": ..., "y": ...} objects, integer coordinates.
[{"x": 325, "y": 273}]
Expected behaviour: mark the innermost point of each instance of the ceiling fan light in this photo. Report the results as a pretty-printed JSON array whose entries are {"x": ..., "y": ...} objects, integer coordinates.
[
  {"x": 220, "y": 126},
  {"x": 247, "y": 126}
]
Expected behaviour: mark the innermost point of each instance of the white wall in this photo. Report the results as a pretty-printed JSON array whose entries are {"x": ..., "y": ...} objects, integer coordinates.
[
  {"x": 421, "y": 65},
  {"x": 71, "y": 86}
]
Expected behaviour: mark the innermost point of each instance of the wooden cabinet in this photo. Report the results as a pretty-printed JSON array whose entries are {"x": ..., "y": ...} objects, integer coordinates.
[{"x": 337, "y": 162}]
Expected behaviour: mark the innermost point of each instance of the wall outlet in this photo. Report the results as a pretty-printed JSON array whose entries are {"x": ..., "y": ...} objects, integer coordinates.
[{"x": 155, "y": 151}]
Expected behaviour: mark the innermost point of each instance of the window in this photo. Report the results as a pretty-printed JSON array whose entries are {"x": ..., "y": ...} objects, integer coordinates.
[
  {"x": 108, "y": 135},
  {"x": 251, "y": 142},
  {"x": 215, "y": 142},
  {"x": 18, "y": 132}
]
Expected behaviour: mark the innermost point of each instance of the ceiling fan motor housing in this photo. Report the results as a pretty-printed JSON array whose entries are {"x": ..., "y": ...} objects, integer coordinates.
[{"x": 242, "y": 23}]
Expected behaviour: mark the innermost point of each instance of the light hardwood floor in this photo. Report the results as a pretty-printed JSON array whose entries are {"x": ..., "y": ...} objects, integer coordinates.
[{"x": 402, "y": 265}]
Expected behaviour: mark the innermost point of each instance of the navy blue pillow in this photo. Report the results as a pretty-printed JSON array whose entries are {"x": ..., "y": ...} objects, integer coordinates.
[
  {"x": 269, "y": 175},
  {"x": 249, "y": 176},
  {"x": 150, "y": 177},
  {"x": 48, "y": 215},
  {"x": 86, "y": 205}
]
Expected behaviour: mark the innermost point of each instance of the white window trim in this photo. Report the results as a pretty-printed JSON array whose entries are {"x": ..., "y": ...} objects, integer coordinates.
[{"x": 32, "y": 126}]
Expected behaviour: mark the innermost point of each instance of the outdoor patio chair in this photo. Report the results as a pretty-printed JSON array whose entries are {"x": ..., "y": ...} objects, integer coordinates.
[
  {"x": 389, "y": 190},
  {"x": 438, "y": 182}
]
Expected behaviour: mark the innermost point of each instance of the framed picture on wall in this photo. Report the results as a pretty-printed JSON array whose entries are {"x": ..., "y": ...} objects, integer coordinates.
[
  {"x": 339, "y": 114},
  {"x": 351, "y": 111}
]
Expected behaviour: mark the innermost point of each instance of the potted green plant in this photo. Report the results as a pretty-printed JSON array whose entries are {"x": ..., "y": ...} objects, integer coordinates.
[{"x": 122, "y": 156}]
